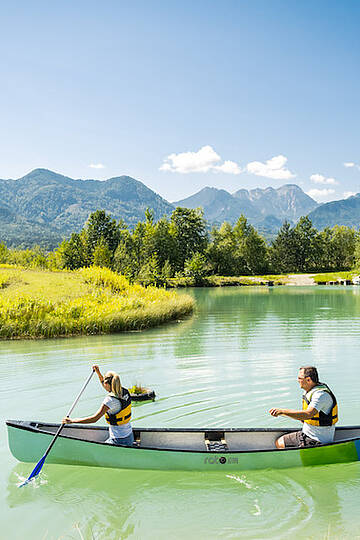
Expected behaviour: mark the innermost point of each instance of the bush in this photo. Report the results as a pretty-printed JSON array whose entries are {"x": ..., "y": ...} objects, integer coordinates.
[{"x": 196, "y": 268}]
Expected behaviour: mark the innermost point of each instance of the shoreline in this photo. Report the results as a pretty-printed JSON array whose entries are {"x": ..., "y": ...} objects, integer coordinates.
[{"x": 290, "y": 280}]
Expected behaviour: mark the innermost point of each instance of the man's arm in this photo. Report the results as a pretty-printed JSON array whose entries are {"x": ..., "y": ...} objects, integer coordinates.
[{"x": 296, "y": 415}]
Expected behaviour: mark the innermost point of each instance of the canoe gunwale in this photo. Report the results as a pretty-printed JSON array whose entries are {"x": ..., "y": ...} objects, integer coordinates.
[{"x": 31, "y": 426}]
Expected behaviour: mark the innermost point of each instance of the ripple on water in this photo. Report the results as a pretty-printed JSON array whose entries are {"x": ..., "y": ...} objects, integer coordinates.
[
  {"x": 273, "y": 502},
  {"x": 34, "y": 483}
]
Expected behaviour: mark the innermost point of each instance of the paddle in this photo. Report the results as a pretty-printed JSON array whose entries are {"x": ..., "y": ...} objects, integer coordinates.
[{"x": 40, "y": 464}]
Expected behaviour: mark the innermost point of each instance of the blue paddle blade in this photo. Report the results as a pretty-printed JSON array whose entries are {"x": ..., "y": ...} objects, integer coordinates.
[{"x": 35, "y": 471}]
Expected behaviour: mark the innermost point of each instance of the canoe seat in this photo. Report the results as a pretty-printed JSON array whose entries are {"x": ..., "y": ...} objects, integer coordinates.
[
  {"x": 252, "y": 440},
  {"x": 173, "y": 440}
]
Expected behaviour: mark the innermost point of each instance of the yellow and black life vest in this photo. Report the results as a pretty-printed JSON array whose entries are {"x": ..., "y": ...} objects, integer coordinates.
[
  {"x": 321, "y": 419},
  {"x": 124, "y": 415}
]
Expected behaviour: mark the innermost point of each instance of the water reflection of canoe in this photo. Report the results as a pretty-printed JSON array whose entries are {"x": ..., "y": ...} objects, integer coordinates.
[{"x": 176, "y": 448}]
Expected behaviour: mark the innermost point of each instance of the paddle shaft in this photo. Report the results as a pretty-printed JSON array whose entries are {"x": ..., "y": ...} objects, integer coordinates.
[
  {"x": 40, "y": 464},
  {"x": 68, "y": 414}
]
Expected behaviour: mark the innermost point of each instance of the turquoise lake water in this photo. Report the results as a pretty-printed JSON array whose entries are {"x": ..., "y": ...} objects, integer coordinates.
[{"x": 237, "y": 356}]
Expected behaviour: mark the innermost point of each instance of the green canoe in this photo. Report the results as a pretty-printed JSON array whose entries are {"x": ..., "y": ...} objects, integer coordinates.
[{"x": 228, "y": 449}]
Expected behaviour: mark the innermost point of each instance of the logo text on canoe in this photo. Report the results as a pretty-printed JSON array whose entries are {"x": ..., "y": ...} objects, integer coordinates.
[{"x": 219, "y": 460}]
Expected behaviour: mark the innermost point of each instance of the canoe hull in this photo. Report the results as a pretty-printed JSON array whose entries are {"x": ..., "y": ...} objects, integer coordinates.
[{"x": 29, "y": 446}]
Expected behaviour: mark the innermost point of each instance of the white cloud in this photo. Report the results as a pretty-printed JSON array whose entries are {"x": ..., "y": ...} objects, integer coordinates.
[
  {"x": 349, "y": 164},
  {"x": 229, "y": 167},
  {"x": 348, "y": 194},
  {"x": 204, "y": 160},
  {"x": 97, "y": 166},
  {"x": 272, "y": 168},
  {"x": 320, "y": 179},
  {"x": 320, "y": 195}
]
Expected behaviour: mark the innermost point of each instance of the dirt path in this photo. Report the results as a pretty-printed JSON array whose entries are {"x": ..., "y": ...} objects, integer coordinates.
[{"x": 301, "y": 279}]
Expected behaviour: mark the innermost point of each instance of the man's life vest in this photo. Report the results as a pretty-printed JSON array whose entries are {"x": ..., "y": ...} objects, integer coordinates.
[
  {"x": 321, "y": 419},
  {"x": 124, "y": 415}
]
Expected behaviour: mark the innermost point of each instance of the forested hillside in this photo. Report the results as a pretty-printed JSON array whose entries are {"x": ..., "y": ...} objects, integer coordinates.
[
  {"x": 344, "y": 212},
  {"x": 43, "y": 207}
]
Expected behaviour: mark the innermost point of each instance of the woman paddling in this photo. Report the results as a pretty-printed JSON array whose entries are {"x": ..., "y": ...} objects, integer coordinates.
[{"x": 116, "y": 407}]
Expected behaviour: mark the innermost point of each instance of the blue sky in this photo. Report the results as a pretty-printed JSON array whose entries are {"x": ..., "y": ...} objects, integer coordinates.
[{"x": 183, "y": 94}]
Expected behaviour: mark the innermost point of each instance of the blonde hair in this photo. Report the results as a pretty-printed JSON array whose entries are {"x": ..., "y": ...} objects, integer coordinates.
[{"x": 113, "y": 379}]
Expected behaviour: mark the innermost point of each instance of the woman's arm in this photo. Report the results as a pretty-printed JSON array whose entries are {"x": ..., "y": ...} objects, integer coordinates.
[
  {"x": 98, "y": 372},
  {"x": 88, "y": 419}
]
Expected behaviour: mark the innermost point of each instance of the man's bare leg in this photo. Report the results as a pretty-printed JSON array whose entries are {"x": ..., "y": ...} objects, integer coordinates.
[{"x": 280, "y": 443}]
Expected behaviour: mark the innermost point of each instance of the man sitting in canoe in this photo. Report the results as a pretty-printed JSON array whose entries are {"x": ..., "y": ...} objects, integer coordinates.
[
  {"x": 319, "y": 414},
  {"x": 117, "y": 410}
]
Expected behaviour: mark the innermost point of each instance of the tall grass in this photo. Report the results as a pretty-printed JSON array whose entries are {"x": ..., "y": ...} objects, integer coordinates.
[
  {"x": 333, "y": 276},
  {"x": 103, "y": 277},
  {"x": 98, "y": 302},
  {"x": 4, "y": 281}
]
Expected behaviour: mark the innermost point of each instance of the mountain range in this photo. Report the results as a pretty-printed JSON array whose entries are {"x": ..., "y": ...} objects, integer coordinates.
[
  {"x": 265, "y": 208},
  {"x": 342, "y": 212},
  {"x": 43, "y": 207}
]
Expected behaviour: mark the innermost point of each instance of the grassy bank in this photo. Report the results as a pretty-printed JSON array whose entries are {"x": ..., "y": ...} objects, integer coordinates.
[
  {"x": 228, "y": 281},
  {"x": 334, "y": 276},
  {"x": 36, "y": 304}
]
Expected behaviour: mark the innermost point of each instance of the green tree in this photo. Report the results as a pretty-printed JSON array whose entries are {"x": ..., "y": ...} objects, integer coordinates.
[
  {"x": 308, "y": 246},
  {"x": 188, "y": 228},
  {"x": 147, "y": 244},
  {"x": 101, "y": 226},
  {"x": 283, "y": 257},
  {"x": 251, "y": 249},
  {"x": 326, "y": 261},
  {"x": 357, "y": 252},
  {"x": 71, "y": 253},
  {"x": 196, "y": 268},
  {"x": 166, "y": 271},
  {"x": 256, "y": 253},
  {"x": 102, "y": 254},
  {"x": 4, "y": 253},
  {"x": 150, "y": 273},
  {"x": 221, "y": 250},
  {"x": 343, "y": 247},
  {"x": 164, "y": 243},
  {"x": 138, "y": 239},
  {"x": 123, "y": 262}
]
